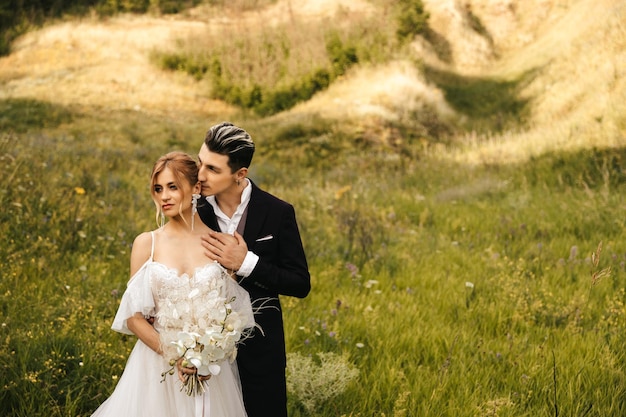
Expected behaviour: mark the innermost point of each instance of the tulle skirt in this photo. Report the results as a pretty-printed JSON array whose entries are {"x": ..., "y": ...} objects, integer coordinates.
[{"x": 140, "y": 392}]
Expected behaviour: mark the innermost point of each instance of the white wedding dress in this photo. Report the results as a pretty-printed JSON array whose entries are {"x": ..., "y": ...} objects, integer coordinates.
[{"x": 176, "y": 301}]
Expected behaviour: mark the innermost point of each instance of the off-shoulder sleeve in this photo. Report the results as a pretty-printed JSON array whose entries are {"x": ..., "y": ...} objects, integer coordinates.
[{"x": 137, "y": 298}]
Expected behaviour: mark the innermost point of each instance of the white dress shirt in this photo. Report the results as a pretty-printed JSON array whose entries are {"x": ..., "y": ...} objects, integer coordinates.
[{"x": 229, "y": 225}]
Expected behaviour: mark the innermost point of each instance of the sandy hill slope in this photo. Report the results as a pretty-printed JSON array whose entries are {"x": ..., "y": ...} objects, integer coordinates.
[
  {"x": 107, "y": 63},
  {"x": 103, "y": 63},
  {"x": 577, "y": 49}
]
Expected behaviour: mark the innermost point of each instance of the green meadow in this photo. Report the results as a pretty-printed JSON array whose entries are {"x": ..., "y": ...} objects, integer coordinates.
[
  {"x": 443, "y": 284},
  {"x": 452, "y": 290}
]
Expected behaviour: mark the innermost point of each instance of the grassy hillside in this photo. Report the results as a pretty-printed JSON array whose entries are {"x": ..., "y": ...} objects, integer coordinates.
[{"x": 461, "y": 202}]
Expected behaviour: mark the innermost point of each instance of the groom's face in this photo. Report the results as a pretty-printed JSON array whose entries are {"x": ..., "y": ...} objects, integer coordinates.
[{"x": 214, "y": 173}]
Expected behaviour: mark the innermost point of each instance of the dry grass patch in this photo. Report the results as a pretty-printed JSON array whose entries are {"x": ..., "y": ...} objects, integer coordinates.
[
  {"x": 578, "y": 91},
  {"x": 104, "y": 63},
  {"x": 385, "y": 92}
]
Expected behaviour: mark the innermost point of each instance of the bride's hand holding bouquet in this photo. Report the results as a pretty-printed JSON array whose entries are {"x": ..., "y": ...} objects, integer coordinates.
[{"x": 200, "y": 352}]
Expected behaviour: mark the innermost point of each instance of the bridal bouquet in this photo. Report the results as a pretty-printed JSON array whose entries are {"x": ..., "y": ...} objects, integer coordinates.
[{"x": 204, "y": 345}]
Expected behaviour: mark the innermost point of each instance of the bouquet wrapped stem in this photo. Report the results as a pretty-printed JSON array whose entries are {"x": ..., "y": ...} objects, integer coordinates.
[{"x": 193, "y": 385}]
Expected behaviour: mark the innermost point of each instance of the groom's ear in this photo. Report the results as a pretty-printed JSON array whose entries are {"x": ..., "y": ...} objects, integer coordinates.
[{"x": 241, "y": 173}]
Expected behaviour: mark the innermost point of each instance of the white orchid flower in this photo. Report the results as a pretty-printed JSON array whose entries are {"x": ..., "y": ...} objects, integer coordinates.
[
  {"x": 213, "y": 353},
  {"x": 195, "y": 359},
  {"x": 212, "y": 369},
  {"x": 204, "y": 370},
  {"x": 185, "y": 342}
]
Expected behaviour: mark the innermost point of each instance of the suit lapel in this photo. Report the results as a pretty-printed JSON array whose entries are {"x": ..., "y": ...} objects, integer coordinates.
[
  {"x": 205, "y": 210},
  {"x": 257, "y": 212}
]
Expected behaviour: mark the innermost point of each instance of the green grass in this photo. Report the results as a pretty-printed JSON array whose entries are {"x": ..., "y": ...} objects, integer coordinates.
[
  {"x": 392, "y": 239},
  {"x": 492, "y": 104}
]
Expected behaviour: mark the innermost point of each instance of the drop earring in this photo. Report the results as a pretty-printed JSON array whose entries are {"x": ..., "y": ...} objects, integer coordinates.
[
  {"x": 161, "y": 219},
  {"x": 194, "y": 207}
]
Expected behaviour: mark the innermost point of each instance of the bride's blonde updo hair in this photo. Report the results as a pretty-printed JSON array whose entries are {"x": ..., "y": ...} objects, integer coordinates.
[{"x": 183, "y": 167}]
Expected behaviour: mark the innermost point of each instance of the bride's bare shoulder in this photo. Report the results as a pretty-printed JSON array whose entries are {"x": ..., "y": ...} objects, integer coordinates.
[{"x": 141, "y": 250}]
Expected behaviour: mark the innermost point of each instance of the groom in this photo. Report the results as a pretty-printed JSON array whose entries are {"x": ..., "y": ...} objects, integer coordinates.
[{"x": 256, "y": 238}]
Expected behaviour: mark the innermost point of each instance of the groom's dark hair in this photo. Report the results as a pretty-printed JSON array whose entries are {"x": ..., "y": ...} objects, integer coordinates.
[{"x": 227, "y": 139}]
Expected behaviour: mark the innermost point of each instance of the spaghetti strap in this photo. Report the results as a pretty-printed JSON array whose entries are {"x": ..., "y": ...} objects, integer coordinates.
[{"x": 152, "y": 249}]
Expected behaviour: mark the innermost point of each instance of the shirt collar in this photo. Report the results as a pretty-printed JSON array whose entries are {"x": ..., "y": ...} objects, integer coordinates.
[{"x": 245, "y": 199}]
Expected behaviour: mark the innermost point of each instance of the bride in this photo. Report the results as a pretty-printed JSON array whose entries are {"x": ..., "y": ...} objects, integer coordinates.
[{"x": 191, "y": 301}]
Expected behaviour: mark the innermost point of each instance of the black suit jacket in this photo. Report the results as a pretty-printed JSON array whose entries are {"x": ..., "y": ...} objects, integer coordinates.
[{"x": 271, "y": 232}]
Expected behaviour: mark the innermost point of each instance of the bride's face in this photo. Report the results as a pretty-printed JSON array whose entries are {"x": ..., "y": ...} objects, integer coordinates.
[{"x": 173, "y": 198}]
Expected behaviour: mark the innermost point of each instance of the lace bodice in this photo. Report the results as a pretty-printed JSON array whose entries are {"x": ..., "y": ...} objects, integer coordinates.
[
  {"x": 180, "y": 302},
  {"x": 184, "y": 302}
]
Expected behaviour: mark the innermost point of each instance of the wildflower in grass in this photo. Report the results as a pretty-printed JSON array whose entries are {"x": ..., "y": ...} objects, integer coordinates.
[
  {"x": 400, "y": 405},
  {"x": 354, "y": 270},
  {"x": 469, "y": 293},
  {"x": 493, "y": 407},
  {"x": 340, "y": 192},
  {"x": 597, "y": 276},
  {"x": 370, "y": 283},
  {"x": 360, "y": 345},
  {"x": 32, "y": 377},
  {"x": 595, "y": 256},
  {"x": 79, "y": 190},
  {"x": 313, "y": 381}
]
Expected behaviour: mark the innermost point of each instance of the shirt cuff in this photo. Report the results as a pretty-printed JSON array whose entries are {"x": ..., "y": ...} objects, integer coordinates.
[{"x": 248, "y": 265}]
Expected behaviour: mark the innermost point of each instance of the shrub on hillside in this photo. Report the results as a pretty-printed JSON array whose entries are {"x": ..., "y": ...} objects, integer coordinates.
[
  {"x": 270, "y": 99},
  {"x": 272, "y": 68},
  {"x": 412, "y": 19}
]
